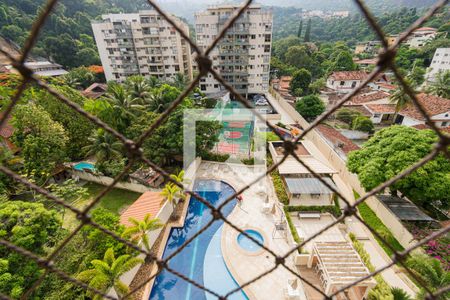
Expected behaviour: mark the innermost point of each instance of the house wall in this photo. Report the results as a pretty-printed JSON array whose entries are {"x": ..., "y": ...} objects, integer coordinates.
[
  {"x": 308, "y": 200},
  {"x": 347, "y": 87},
  {"x": 389, "y": 219},
  {"x": 407, "y": 121}
]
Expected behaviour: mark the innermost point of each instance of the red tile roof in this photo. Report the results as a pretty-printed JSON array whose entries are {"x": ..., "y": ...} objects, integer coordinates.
[
  {"x": 381, "y": 108},
  {"x": 425, "y": 126},
  {"x": 7, "y": 130},
  {"x": 433, "y": 105},
  {"x": 349, "y": 75},
  {"x": 337, "y": 138},
  {"x": 387, "y": 86},
  {"x": 148, "y": 203},
  {"x": 367, "y": 61},
  {"x": 367, "y": 97},
  {"x": 95, "y": 90},
  {"x": 285, "y": 82}
]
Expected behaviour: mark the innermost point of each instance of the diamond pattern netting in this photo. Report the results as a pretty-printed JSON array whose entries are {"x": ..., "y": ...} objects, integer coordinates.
[{"x": 135, "y": 154}]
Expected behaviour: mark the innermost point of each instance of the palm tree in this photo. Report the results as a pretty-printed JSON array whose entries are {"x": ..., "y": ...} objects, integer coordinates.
[
  {"x": 139, "y": 231},
  {"x": 104, "y": 146},
  {"x": 125, "y": 107},
  {"x": 169, "y": 191},
  {"x": 431, "y": 271},
  {"x": 156, "y": 101},
  {"x": 180, "y": 81},
  {"x": 441, "y": 86},
  {"x": 153, "y": 82},
  {"x": 138, "y": 88},
  {"x": 400, "y": 98},
  {"x": 400, "y": 294},
  {"x": 180, "y": 178},
  {"x": 106, "y": 273}
]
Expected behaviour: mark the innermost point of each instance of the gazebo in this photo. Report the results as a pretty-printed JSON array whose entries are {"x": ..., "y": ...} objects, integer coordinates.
[{"x": 338, "y": 265}]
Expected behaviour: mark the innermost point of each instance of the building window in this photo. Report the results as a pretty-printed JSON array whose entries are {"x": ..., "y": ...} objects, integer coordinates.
[
  {"x": 203, "y": 87},
  {"x": 342, "y": 83},
  {"x": 444, "y": 124}
]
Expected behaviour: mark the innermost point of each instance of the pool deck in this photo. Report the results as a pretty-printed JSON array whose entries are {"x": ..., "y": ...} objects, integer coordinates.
[{"x": 245, "y": 266}]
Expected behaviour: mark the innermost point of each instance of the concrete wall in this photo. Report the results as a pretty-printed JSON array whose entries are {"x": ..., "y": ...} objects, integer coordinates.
[
  {"x": 308, "y": 200},
  {"x": 105, "y": 180},
  {"x": 389, "y": 219}
]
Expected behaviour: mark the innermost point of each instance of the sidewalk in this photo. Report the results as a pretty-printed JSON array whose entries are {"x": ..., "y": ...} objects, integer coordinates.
[{"x": 285, "y": 117}]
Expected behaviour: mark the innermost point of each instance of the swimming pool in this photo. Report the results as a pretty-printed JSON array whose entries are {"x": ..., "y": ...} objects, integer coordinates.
[
  {"x": 84, "y": 165},
  {"x": 247, "y": 244},
  {"x": 202, "y": 259}
]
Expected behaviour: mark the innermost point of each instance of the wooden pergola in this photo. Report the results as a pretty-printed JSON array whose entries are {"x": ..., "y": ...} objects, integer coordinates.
[{"x": 338, "y": 265}]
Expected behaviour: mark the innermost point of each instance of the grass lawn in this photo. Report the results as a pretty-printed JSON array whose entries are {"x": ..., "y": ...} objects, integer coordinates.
[{"x": 116, "y": 201}]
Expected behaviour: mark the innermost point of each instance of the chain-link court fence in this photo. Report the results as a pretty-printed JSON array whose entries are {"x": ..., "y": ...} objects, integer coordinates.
[{"x": 135, "y": 154}]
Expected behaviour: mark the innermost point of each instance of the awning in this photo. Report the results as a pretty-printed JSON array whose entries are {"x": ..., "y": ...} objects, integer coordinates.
[
  {"x": 309, "y": 186},
  {"x": 404, "y": 209}
]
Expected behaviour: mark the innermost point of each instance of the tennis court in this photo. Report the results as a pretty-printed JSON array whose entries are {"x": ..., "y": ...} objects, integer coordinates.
[{"x": 235, "y": 137}]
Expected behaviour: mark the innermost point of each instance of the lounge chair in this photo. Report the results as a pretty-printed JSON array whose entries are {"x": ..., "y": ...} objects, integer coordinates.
[{"x": 293, "y": 292}]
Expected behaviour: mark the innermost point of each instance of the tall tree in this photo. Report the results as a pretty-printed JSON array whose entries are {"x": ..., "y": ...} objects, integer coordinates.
[
  {"x": 43, "y": 141},
  {"x": 310, "y": 107},
  {"x": 400, "y": 98},
  {"x": 300, "y": 29},
  {"x": 308, "y": 32},
  {"x": 106, "y": 273},
  {"x": 394, "y": 149},
  {"x": 32, "y": 227},
  {"x": 300, "y": 82},
  {"x": 441, "y": 86},
  {"x": 104, "y": 146}
]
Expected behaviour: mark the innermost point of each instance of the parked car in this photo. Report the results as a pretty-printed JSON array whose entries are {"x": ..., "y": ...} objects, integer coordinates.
[{"x": 261, "y": 102}]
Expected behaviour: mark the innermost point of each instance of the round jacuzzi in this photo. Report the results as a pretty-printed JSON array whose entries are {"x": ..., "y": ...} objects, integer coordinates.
[{"x": 247, "y": 244}]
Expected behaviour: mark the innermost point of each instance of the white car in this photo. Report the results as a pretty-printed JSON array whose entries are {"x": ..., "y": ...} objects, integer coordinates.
[{"x": 261, "y": 102}]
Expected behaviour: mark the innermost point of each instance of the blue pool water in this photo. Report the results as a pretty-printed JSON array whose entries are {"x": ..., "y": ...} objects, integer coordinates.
[
  {"x": 202, "y": 259},
  {"x": 248, "y": 244},
  {"x": 84, "y": 165}
]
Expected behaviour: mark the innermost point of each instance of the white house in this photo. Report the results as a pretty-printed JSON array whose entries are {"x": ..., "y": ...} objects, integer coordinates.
[
  {"x": 42, "y": 68},
  {"x": 301, "y": 186},
  {"x": 381, "y": 113},
  {"x": 419, "y": 37},
  {"x": 440, "y": 63},
  {"x": 345, "y": 81},
  {"x": 436, "y": 107}
]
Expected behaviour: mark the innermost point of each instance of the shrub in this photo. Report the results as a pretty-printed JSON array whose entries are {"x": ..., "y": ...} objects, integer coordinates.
[
  {"x": 362, "y": 123},
  {"x": 310, "y": 107},
  {"x": 214, "y": 156},
  {"x": 347, "y": 115},
  {"x": 332, "y": 209},
  {"x": 382, "y": 290}
]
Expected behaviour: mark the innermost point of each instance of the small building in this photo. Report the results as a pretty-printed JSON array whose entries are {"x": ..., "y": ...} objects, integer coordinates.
[
  {"x": 345, "y": 81},
  {"x": 340, "y": 143},
  {"x": 372, "y": 97},
  {"x": 148, "y": 203},
  {"x": 366, "y": 63},
  {"x": 43, "y": 68},
  {"x": 148, "y": 177},
  {"x": 95, "y": 90},
  {"x": 419, "y": 37},
  {"x": 381, "y": 113},
  {"x": 369, "y": 47},
  {"x": 437, "y": 108},
  {"x": 301, "y": 185},
  {"x": 309, "y": 191},
  {"x": 439, "y": 64}
]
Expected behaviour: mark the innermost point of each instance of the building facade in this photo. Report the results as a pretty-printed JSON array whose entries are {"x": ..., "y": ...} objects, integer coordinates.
[
  {"x": 345, "y": 81},
  {"x": 440, "y": 63},
  {"x": 242, "y": 57},
  {"x": 142, "y": 43}
]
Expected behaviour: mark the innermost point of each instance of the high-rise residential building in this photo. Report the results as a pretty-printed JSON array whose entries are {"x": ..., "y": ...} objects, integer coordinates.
[
  {"x": 142, "y": 43},
  {"x": 242, "y": 57},
  {"x": 439, "y": 64}
]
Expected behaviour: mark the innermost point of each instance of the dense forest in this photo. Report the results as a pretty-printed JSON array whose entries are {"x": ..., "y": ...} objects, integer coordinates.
[
  {"x": 67, "y": 33},
  {"x": 353, "y": 28}
]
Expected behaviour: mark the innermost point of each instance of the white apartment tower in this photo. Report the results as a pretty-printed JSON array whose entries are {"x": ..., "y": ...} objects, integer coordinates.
[
  {"x": 439, "y": 64},
  {"x": 242, "y": 57},
  {"x": 142, "y": 43}
]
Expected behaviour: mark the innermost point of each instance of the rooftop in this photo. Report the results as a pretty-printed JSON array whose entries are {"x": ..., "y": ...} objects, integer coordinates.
[
  {"x": 433, "y": 105},
  {"x": 148, "y": 203},
  {"x": 404, "y": 209},
  {"x": 337, "y": 139},
  {"x": 368, "y": 97},
  {"x": 381, "y": 108},
  {"x": 309, "y": 186},
  {"x": 349, "y": 75}
]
